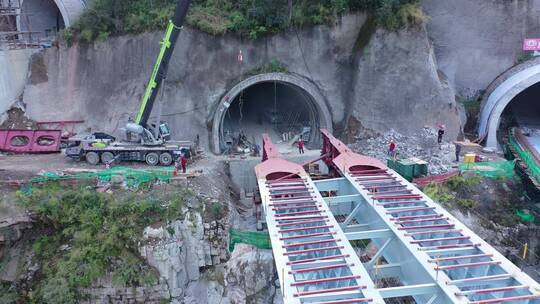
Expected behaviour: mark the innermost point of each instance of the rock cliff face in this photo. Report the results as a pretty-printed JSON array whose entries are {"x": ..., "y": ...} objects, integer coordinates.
[
  {"x": 384, "y": 80},
  {"x": 397, "y": 85},
  {"x": 249, "y": 277},
  {"x": 476, "y": 41},
  {"x": 184, "y": 247}
]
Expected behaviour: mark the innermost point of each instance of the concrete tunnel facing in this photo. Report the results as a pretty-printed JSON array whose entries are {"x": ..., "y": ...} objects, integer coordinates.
[
  {"x": 47, "y": 17},
  {"x": 509, "y": 102},
  {"x": 274, "y": 103}
]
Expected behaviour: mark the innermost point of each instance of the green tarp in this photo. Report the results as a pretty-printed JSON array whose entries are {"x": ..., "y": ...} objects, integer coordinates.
[
  {"x": 525, "y": 217},
  {"x": 490, "y": 169},
  {"x": 260, "y": 240},
  {"x": 133, "y": 177}
]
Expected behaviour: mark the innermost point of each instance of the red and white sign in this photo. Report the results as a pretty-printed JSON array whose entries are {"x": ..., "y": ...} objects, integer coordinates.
[{"x": 531, "y": 45}]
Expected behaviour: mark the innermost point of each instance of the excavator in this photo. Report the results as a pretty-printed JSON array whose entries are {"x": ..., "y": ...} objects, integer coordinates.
[{"x": 145, "y": 140}]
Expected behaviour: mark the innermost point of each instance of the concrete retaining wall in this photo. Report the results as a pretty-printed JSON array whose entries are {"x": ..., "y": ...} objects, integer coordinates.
[{"x": 13, "y": 76}]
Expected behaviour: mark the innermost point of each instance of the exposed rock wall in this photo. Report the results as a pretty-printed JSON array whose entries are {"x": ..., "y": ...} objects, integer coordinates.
[
  {"x": 249, "y": 277},
  {"x": 476, "y": 41},
  {"x": 397, "y": 85},
  {"x": 103, "y": 82},
  {"x": 183, "y": 248}
]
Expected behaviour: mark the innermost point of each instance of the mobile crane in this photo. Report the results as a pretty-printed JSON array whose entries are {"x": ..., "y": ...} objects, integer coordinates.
[{"x": 145, "y": 141}]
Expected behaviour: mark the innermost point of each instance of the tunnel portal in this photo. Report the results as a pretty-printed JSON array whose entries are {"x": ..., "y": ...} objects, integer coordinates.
[
  {"x": 523, "y": 111},
  {"x": 510, "y": 100},
  {"x": 282, "y": 105},
  {"x": 41, "y": 17}
]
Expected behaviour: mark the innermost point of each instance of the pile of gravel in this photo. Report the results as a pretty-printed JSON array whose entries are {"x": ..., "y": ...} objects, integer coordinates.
[
  {"x": 422, "y": 145},
  {"x": 531, "y": 132}
]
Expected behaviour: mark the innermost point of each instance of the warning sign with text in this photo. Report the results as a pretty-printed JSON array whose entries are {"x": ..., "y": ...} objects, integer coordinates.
[{"x": 531, "y": 45}]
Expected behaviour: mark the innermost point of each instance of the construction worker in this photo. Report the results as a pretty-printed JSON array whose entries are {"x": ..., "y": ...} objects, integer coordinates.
[
  {"x": 440, "y": 134},
  {"x": 392, "y": 149},
  {"x": 301, "y": 146},
  {"x": 458, "y": 151},
  {"x": 183, "y": 162}
]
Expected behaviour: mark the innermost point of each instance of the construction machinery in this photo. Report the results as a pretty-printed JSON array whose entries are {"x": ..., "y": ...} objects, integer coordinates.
[{"x": 146, "y": 140}]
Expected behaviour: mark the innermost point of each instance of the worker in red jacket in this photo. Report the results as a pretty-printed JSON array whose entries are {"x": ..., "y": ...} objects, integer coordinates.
[
  {"x": 301, "y": 146},
  {"x": 183, "y": 163},
  {"x": 392, "y": 149}
]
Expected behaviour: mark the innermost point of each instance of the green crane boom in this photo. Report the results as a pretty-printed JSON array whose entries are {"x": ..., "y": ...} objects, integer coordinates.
[{"x": 160, "y": 68}]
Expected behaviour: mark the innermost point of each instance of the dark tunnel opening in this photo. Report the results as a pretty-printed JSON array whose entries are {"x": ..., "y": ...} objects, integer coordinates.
[
  {"x": 523, "y": 112},
  {"x": 42, "y": 18},
  {"x": 282, "y": 110}
]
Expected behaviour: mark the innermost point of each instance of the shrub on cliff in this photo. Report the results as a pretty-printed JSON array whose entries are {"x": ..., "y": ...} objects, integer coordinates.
[
  {"x": 88, "y": 234},
  {"x": 251, "y": 18}
]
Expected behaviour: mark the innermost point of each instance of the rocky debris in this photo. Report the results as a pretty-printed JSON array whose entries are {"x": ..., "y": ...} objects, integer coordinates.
[
  {"x": 16, "y": 119},
  {"x": 531, "y": 132},
  {"x": 422, "y": 145}
]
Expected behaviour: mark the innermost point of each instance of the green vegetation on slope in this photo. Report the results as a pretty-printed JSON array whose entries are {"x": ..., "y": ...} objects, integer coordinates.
[
  {"x": 251, "y": 18},
  {"x": 90, "y": 234},
  {"x": 456, "y": 190},
  {"x": 490, "y": 199}
]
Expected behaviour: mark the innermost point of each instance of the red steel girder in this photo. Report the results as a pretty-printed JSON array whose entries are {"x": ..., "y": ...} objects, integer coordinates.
[
  {"x": 332, "y": 240},
  {"x": 299, "y": 213},
  {"x": 330, "y": 290},
  {"x": 477, "y": 264},
  {"x": 330, "y": 257},
  {"x": 426, "y": 227},
  {"x": 457, "y": 238},
  {"x": 347, "y": 301},
  {"x": 318, "y": 281},
  {"x": 297, "y": 252},
  {"x": 323, "y": 220},
  {"x": 392, "y": 197},
  {"x": 305, "y": 228},
  {"x": 313, "y": 269},
  {"x": 303, "y": 236}
]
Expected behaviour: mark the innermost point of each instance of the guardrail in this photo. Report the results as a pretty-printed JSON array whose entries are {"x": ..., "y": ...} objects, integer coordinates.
[{"x": 526, "y": 157}]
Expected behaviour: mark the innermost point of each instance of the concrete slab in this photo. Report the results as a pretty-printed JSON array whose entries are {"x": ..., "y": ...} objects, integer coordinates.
[{"x": 13, "y": 75}]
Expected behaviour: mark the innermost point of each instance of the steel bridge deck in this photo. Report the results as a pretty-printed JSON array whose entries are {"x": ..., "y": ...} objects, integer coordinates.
[
  {"x": 422, "y": 253},
  {"x": 315, "y": 261}
]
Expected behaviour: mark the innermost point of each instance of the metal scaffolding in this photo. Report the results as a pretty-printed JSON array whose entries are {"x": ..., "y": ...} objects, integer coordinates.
[
  {"x": 423, "y": 254},
  {"x": 11, "y": 37}
]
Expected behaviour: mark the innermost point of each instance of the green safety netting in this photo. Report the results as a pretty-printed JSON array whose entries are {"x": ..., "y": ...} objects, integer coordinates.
[
  {"x": 490, "y": 169},
  {"x": 525, "y": 156},
  {"x": 260, "y": 240},
  {"x": 133, "y": 177},
  {"x": 525, "y": 217}
]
